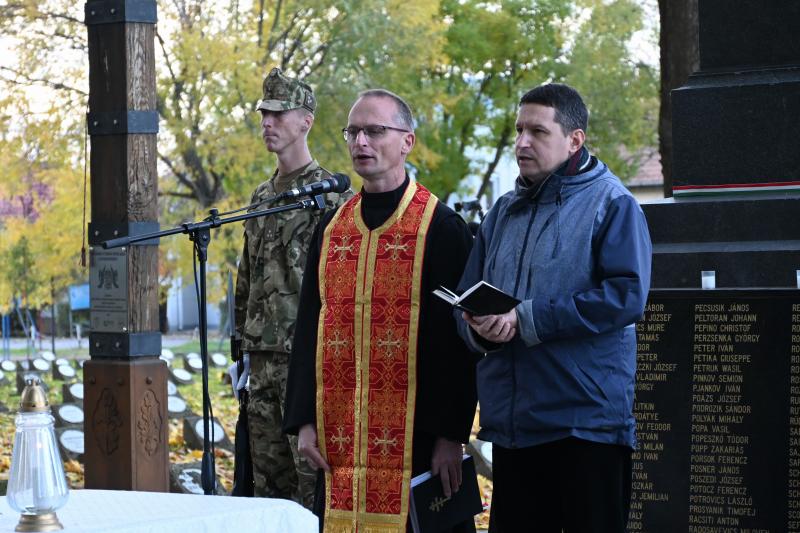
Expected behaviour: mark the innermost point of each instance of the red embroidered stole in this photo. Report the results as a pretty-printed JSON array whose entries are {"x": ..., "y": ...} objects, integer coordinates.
[{"x": 370, "y": 283}]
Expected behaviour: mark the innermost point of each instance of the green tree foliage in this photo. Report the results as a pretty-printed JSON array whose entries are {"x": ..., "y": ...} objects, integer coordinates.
[
  {"x": 622, "y": 94},
  {"x": 496, "y": 51},
  {"x": 461, "y": 64}
]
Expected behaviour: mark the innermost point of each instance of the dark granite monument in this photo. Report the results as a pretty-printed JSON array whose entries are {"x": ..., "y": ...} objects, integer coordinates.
[{"x": 718, "y": 371}]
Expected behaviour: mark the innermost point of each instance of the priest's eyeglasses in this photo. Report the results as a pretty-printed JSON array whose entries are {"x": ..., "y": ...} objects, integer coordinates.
[{"x": 373, "y": 131}]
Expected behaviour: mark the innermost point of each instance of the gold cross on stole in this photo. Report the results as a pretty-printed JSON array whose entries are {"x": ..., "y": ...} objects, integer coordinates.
[
  {"x": 341, "y": 249},
  {"x": 338, "y": 344},
  {"x": 385, "y": 441},
  {"x": 396, "y": 246},
  {"x": 340, "y": 439},
  {"x": 388, "y": 344}
]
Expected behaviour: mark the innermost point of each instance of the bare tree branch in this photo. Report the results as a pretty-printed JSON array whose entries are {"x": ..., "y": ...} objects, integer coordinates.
[
  {"x": 176, "y": 194},
  {"x": 260, "y": 26},
  {"x": 502, "y": 142},
  {"x": 41, "y": 81},
  {"x": 464, "y": 134},
  {"x": 182, "y": 178},
  {"x": 166, "y": 58},
  {"x": 77, "y": 42},
  {"x": 275, "y": 21},
  {"x": 321, "y": 49},
  {"x": 180, "y": 6},
  {"x": 296, "y": 42},
  {"x": 280, "y": 37},
  {"x": 46, "y": 15},
  {"x": 177, "y": 85}
]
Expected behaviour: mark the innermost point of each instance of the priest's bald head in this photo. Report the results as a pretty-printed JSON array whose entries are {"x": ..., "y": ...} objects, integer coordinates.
[{"x": 380, "y": 135}]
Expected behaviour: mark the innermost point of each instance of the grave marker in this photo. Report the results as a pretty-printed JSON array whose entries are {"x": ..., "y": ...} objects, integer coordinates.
[
  {"x": 72, "y": 392},
  {"x": 177, "y": 407},
  {"x": 68, "y": 414},
  {"x": 184, "y": 478},
  {"x": 70, "y": 442},
  {"x": 193, "y": 434},
  {"x": 64, "y": 372},
  {"x": 181, "y": 376},
  {"x": 219, "y": 360}
]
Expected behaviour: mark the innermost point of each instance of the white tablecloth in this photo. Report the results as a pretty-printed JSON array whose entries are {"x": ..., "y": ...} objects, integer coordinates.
[{"x": 157, "y": 512}]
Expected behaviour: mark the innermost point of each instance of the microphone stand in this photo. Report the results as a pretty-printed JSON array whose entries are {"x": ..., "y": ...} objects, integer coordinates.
[{"x": 200, "y": 234}]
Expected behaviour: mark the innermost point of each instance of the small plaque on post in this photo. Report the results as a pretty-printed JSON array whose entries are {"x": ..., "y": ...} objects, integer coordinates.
[{"x": 108, "y": 290}]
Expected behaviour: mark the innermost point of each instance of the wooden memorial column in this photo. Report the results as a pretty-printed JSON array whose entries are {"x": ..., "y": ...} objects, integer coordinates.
[{"x": 126, "y": 425}]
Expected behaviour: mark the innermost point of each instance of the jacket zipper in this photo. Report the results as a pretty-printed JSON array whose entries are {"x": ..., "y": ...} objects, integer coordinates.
[
  {"x": 524, "y": 248},
  {"x": 514, "y": 354}
]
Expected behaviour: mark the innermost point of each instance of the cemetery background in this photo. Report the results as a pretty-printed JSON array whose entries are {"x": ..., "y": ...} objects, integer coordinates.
[
  {"x": 464, "y": 91},
  {"x": 181, "y": 452}
]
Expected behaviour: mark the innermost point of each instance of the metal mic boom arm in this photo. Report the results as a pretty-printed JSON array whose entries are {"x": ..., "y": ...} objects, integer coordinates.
[{"x": 200, "y": 235}]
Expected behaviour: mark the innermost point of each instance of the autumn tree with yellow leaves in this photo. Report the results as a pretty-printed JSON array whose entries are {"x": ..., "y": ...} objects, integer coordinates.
[{"x": 462, "y": 65}]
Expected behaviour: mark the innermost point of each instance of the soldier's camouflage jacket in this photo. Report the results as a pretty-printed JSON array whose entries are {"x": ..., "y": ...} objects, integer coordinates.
[{"x": 271, "y": 266}]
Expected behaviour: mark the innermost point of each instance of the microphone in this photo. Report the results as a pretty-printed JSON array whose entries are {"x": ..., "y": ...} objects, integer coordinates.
[{"x": 336, "y": 183}]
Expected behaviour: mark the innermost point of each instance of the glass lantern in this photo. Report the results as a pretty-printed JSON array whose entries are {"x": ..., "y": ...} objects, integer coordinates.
[{"x": 36, "y": 483}]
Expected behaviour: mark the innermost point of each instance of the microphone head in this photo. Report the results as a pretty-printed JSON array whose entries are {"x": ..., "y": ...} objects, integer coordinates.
[{"x": 342, "y": 182}]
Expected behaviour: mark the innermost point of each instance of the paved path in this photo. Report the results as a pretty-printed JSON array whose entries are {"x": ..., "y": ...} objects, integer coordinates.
[{"x": 167, "y": 341}]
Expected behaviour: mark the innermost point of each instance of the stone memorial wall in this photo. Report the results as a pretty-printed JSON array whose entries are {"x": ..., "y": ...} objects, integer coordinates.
[{"x": 718, "y": 412}]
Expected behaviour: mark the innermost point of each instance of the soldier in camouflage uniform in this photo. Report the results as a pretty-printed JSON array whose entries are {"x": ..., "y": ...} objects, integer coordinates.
[{"x": 268, "y": 287}]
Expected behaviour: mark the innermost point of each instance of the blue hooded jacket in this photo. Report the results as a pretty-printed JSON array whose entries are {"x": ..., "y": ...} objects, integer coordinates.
[{"x": 576, "y": 251}]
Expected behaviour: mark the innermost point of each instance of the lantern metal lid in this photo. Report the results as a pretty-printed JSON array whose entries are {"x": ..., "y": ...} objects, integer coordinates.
[{"x": 34, "y": 397}]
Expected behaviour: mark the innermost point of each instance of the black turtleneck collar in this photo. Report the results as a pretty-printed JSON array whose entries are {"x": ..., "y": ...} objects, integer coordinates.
[{"x": 377, "y": 207}]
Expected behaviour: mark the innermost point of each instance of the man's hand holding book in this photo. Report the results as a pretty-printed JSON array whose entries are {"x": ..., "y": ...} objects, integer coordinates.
[
  {"x": 487, "y": 309},
  {"x": 494, "y": 328}
]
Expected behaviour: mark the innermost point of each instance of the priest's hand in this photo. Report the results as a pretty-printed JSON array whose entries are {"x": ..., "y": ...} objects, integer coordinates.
[
  {"x": 446, "y": 462},
  {"x": 494, "y": 328},
  {"x": 308, "y": 447}
]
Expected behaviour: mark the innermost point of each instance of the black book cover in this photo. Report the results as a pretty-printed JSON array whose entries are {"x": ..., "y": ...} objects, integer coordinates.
[
  {"x": 430, "y": 511},
  {"x": 479, "y": 300}
]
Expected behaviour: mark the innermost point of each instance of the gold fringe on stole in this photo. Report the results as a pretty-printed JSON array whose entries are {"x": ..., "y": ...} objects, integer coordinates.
[
  {"x": 346, "y": 526},
  {"x": 339, "y": 525},
  {"x": 381, "y": 528}
]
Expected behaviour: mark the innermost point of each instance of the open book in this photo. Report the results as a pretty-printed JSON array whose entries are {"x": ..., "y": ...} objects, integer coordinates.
[
  {"x": 431, "y": 510},
  {"x": 479, "y": 300}
]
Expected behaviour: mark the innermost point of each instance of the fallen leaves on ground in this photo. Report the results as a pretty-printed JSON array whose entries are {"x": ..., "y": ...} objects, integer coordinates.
[{"x": 226, "y": 411}]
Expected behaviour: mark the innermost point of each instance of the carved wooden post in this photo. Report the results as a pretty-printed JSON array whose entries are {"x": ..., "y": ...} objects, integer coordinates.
[{"x": 126, "y": 425}]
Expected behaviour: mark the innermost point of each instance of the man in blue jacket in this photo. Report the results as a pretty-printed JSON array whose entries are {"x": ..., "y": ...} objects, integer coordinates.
[{"x": 556, "y": 385}]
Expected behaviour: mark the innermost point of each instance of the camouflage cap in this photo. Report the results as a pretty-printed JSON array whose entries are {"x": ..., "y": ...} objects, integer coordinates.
[{"x": 282, "y": 93}]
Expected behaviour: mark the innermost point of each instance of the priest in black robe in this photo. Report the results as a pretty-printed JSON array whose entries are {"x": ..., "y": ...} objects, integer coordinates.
[{"x": 380, "y": 136}]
